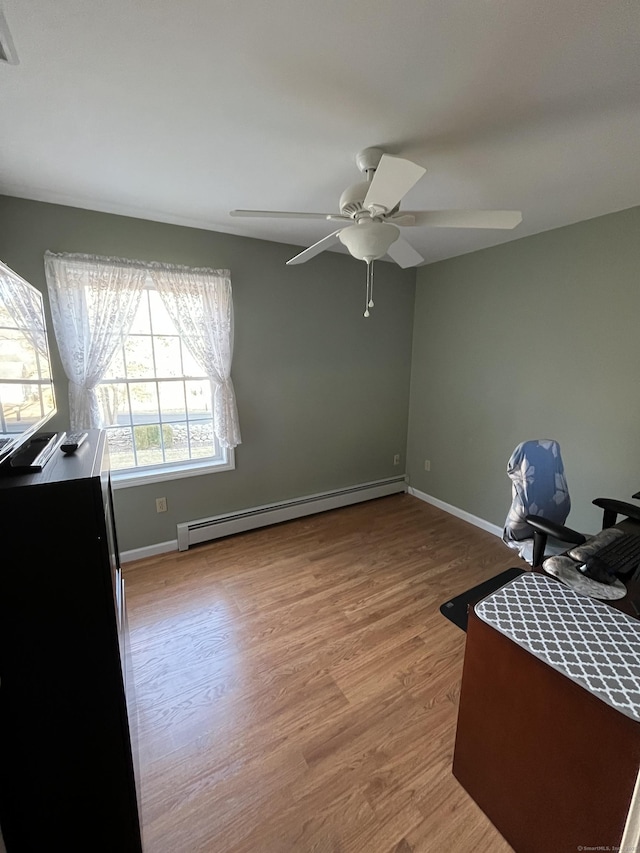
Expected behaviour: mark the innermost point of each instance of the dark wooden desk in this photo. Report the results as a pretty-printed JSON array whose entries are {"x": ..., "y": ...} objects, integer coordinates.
[{"x": 551, "y": 764}]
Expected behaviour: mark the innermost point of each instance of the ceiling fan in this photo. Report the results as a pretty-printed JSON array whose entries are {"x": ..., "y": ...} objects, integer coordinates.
[{"x": 371, "y": 208}]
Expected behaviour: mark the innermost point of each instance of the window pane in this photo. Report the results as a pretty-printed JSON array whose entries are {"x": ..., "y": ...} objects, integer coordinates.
[
  {"x": 144, "y": 402},
  {"x": 121, "y": 448},
  {"x": 148, "y": 444},
  {"x": 191, "y": 366},
  {"x": 116, "y": 367},
  {"x": 161, "y": 322},
  {"x": 172, "y": 400},
  {"x": 19, "y": 355},
  {"x": 176, "y": 442},
  {"x": 139, "y": 356},
  {"x": 168, "y": 355},
  {"x": 23, "y": 405},
  {"x": 142, "y": 324},
  {"x": 199, "y": 398},
  {"x": 202, "y": 440},
  {"x": 114, "y": 403},
  {"x": 189, "y": 441}
]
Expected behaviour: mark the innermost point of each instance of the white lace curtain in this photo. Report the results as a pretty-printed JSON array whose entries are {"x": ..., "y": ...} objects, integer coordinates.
[
  {"x": 94, "y": 301},
  {"x": 24, "y": 307},
  {"x": 200, "y": 305}
]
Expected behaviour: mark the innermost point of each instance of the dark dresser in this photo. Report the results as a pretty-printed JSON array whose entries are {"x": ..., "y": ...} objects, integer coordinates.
[{"x": 67, "y": 715}]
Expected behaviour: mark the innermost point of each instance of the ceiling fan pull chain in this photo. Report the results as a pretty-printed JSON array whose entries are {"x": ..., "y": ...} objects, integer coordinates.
[
  {"x": 371, "y": 287},
  {"x": 366, "y": 299}
]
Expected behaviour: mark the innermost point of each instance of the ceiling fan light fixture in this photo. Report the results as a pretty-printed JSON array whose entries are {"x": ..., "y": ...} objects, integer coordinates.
[{"x": 368, "y": 241}]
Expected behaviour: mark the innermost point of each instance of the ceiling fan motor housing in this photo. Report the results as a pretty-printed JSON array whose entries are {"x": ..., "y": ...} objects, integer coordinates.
[{"x": 352, "y": 198}]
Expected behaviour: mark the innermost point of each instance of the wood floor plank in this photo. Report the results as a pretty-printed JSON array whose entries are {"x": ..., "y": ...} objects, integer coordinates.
[{"x": 297, "y": 686}]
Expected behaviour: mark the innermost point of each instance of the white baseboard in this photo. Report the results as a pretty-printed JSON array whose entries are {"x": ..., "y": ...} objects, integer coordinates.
[
  {"x": 459, "y": 513},
  {"x": 148, "y": 551}
]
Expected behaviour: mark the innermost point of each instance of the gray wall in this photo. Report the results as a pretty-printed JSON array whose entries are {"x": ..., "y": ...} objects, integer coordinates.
[
  {"x": 537, "y": 338},
  {"x": 534, "y": 338},
  {"x": 323, "y": 394}
]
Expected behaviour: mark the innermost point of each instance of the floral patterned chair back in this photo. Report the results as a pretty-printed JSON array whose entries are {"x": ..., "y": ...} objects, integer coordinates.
[{"x": 538, "y": 487}]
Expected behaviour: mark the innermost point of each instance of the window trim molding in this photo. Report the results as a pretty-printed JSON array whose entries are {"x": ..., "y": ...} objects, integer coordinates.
[{"x": 190, "y": 468}]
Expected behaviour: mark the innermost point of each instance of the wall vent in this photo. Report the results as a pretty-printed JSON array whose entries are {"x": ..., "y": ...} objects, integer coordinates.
[{"x": 204, "y": 529}]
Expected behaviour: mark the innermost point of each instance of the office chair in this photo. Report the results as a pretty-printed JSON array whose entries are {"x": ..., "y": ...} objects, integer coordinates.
[{"x": 541, "y": 503}]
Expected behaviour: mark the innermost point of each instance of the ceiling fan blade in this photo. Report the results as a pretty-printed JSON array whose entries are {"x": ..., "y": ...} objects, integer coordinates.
[
  {"x": 314, "y": 250},
  {"x": 461, "y": 218},
  {"x": 404, "y": 254},
  {"x": 393, "y": 179},
  {"x": 401, "y": 218},
  {"x": 286, "y": 214}
]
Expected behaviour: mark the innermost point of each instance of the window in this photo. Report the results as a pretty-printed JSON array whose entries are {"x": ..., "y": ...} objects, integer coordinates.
[
  {"x": 147, "y": 349},
  {"x": 156, "y": 402}
]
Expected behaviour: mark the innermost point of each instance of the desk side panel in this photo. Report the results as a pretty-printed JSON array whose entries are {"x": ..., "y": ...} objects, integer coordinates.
[{"x": 552, "y": 766}]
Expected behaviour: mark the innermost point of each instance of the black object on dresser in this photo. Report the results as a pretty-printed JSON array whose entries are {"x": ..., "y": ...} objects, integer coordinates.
[{"x": 67, "y": 765}]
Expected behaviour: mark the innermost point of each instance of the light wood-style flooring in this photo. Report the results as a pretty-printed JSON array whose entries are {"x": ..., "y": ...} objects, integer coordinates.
[{"x": 297, "y": 686}]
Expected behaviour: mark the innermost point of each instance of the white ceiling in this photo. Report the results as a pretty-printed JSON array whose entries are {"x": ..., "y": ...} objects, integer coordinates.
[{"x": 181, "y": 111}]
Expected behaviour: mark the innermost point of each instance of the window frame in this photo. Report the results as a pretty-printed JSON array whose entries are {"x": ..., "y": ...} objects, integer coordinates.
[
  {"x": 173, "y": 471},
  {"x": 165, "y": 471}
]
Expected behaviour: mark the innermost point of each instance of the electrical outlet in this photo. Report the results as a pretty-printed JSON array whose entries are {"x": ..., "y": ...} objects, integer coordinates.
[
  {"x": 427, "y": 464},
  {"x": 161, "y": 504},
  {"x": 396, "y": 459}
]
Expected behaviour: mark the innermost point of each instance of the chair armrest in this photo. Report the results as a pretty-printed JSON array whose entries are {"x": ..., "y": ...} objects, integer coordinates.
[
  {"x": 612, "y": 508},
  {"x": 559, "y": 531},
  {"x": 542, "y": 528}
]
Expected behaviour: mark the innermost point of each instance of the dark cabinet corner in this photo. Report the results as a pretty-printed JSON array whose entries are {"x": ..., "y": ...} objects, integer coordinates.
[{"x": 68, "y": 769}]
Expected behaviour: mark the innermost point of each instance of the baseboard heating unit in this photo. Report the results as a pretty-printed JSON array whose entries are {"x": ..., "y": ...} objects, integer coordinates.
[{"x": 204, "y": 529}]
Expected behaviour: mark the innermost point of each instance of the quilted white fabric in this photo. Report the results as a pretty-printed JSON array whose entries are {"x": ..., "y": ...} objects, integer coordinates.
[{"x": 593, "y": 644}]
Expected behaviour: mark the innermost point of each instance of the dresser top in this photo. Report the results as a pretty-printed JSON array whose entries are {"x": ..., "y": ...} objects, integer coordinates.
[{"x": 593, "y": 644}]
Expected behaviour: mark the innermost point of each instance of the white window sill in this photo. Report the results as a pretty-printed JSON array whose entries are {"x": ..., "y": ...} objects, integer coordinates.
[{"x": 142, "y": 477}]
